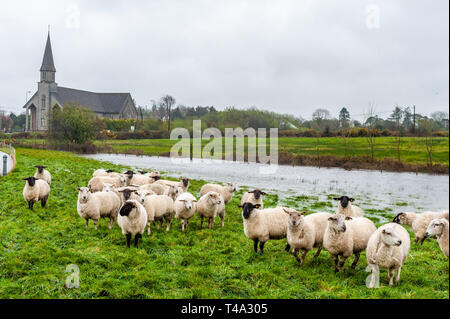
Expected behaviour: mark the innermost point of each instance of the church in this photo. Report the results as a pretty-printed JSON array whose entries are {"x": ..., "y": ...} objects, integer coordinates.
[{"x": 49, "y": 94}]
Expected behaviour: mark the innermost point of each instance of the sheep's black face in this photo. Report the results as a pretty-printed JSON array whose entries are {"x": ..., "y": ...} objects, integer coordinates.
[
  {"x": 156, "y": 178},
  {"x": 31, "y": 180},
  {"x": 130, "y": 174},
  {"x": 126, "y": 209},
  {"x": 247, "y": 209},
  {"x": 40, "y": 168},
  {"x": 127, "y": 193},
  {"x": 109, "y": 170},
  {"x": 142, "y": 172},
  {"x": 185, "y": 182},
  {"x": 397, "y": 218},
  {"x": 344, "y": 200}
]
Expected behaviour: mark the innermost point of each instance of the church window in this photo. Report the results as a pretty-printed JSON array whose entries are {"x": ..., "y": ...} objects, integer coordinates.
[
  {"x": 43, "y": 121},
  {"x": 43, "y": 104}
]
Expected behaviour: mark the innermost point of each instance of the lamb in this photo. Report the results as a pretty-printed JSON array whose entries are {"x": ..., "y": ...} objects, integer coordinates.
[
  {"x": 185, "y": 207},
  {"x": 387, "y": 248},
  {"x": 439, "y": 228},
  {"x": 42, "y": 173},
  {"x": 132, "y": 220},
  {"x": 419, "y": 222},
  {"x": 253, "y": 197},
  {"x": 173, "y": 191},
  {"x": 208, "y": 206},
  {"x": 226, "y": 191},
  {"x": 183, "y": 183},
  {"x": 346, "y": 208},
  {"x": 345, "y": 236},
  {"x": 155, "y": 188},
  {"x": 136, "y": 179},
  {"x": 300, "y": 234},
  {"x": 260, "y": 225},
  {"x": 144, "y": 198},
  {"x": 163, "y": 208},
  {"x": 97, "y": 205},
  {"x": 96, "y": 183},
  {"x": 35, "y": 190}
]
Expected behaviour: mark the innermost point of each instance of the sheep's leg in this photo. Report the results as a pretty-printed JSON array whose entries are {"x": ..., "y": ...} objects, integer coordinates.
[
  {"x": 319, "y": 249},
  {"x": 95, "y": 224},
  {"x": 87, "y": 223},
  {"x": 397, "y": 279},
  {"x": 261, "y": 247},
  {"x": 136, "y": 239},
  {"x": 295, "y": 253},
  {"x": 288, "y": 247},
  {"x": 336, "y": 260},
  {"x": 44, "y": 201},
  {"x": 149, "y": 231},
  {"x": 160, "y": 222},
  {"x": 355, "y": 261},
  {"x": 416, "y": 240},
  {"x": 30, "y": 204},
  {"x": 391, "y": 276},
  {"x": 111, "y": 222},
  {"x": 373, "y": 276},
  {"x": 342, "y": 263},
  {"x": 128, "y": 236},
  {"x": 182, "y": 224},
  {"x": 222, "y": 218},
  {"x": 211, "y": 222},
  {"x": 255, "y": 245},
  {"x": 422, "y": 240},
  {"x": 201, "y": 222},
  {"x": 303, "y": 257},
  {"x": 168, "y": 221}
]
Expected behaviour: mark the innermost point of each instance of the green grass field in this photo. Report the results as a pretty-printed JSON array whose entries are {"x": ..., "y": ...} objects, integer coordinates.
[{"x": 37, "y": 246}]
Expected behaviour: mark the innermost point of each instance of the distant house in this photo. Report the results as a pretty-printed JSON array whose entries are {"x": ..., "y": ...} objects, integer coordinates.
[{"x": 49, "y": 94}]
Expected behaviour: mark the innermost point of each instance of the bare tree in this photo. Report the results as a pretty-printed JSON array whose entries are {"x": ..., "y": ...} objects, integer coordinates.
[
  {"x": 166, "y": 103},
  {"x": 426, "y": 129},
  {"x": 396, "y": 116},
  {"x": 370, "y": 122}
]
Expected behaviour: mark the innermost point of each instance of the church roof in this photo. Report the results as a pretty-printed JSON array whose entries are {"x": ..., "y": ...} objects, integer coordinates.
[
  {"x": 47, "y": 61},
  {"x": 97, "y": 102}
]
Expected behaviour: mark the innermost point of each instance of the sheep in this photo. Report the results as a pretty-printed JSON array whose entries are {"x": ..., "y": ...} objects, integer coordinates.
[
  {"x": 300, "y": 234},
  {"x": 320, "y": 222},
  {"x": 136, "y": 179},
  {"x": 254, "y": 197},
  {"x": 387, "y": 248},
  {"x": 226, "y": 191},
  {"x": 132, "y": 220},
  {"x": 42, "y": 173},
  {"x": 221, "y": 210},
  {"x": 144, "y": 198},
  {"x": 155, "y": 188},
  {"x": 185, "y": 207},
  {"x": 154, "y": 174},
  {"x": 96, "y": 183},
  {"x": 419, "y": 222},
  {"x": 127, "y": 193},
  {"x": 110, "y": 188},
  {"x": 97, "y": 205},
  {"x": 208, "y": 206},
  {"x": 173, "y": 191},
  {"x": 260, "y": 225},
  {"x": 35, "y": 190},
  {"x": 346, "y": 208},
  {"x": 345, "y": 236},
  {"x": 103, "y": 172},
  {"x": 439, "y": 228},
  {"x": 183, "y": 183},
  {"x": 163, "y": 208}
]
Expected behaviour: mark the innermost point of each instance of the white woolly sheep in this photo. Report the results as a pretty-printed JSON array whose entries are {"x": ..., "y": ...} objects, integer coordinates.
[
  {"x": 95, "y": 184},
  {"x": 419, "y": 222},
  {"x": 163, "y": 208},
  {"x": 320, "y": 222},
  {"x": 35, "y": 190},
  {"x": 346, "y": 208},
  {"x": 185, "y": 207},
  {"x": 226, "y": 191},
  {"x": 221, "y": 210},
  {"x": 439, "y": 228},
  {"x": 136, "y": 179},
  {"x": 110, "y": 188},
  {"x": 260, "y": 225},
  {"x": 173, "y": 191},
  {"x": 103, "y": 172},
  {"x": 208, "y": 206},
  {"x": 183, "y": 183},
  {"x": 300, "y": 234},
  {"x": 42, "y": 173},
  {"x": 155, "y": 188},
  {"x": 254, "y": 197},
  {"x": 97, "y": 205},
  {"x": 345, "y": 236},
  {"x": 132, "y": 220},
  {"x": 143, "y": 197},
  {"x": 387, "y": 248}
]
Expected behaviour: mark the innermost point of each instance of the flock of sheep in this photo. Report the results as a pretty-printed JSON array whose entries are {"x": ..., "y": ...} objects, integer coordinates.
[{"x": 136, "y": 200}]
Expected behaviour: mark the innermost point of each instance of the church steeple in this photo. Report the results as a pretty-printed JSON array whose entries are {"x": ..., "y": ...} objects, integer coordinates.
[{"x": 48, "y": 66}]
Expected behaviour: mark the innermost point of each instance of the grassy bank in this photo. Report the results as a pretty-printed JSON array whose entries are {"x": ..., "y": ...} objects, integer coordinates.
[{"x": 36, "y": 247}]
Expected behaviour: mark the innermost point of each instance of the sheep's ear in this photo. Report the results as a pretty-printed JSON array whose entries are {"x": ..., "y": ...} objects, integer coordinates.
[
  {"x": 285, "y": 210},
  {"x": 330, "y": 219},
  {"x": 240, "y": 206},
  {"x": 195, "y": 201},
  {"x": 348, "y": 218},
  {"x": 257, "y": 206},
  {"x": 182, "y": 200},
  {"x": 384, "y": 231},
  {"x": 25, "y": 179},
  {"x": 78, "y": 189},
  {"x": 263, "y": 193},
  {"x": 302, "y": 213},
  {"x": 251, "y": 192},
  {"x": 352, "y": 199},
  {"x": 337, "y": 198},
  {"x": 44, "y": 166}
]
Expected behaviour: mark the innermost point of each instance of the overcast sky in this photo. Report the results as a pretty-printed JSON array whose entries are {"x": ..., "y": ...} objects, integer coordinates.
[{"x": 287, "y": 56}]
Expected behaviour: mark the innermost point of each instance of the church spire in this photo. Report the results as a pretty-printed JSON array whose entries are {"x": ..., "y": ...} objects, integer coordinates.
[{"x": 47, "y": 61}]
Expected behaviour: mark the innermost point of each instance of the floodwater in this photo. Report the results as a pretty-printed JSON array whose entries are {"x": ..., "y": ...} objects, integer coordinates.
[{"x": 395, "y": 192}]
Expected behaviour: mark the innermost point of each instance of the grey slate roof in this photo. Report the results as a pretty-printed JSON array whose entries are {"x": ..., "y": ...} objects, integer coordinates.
[
  {"x": 97, "y": 102},
  {"x": 47, "y": 61}
]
